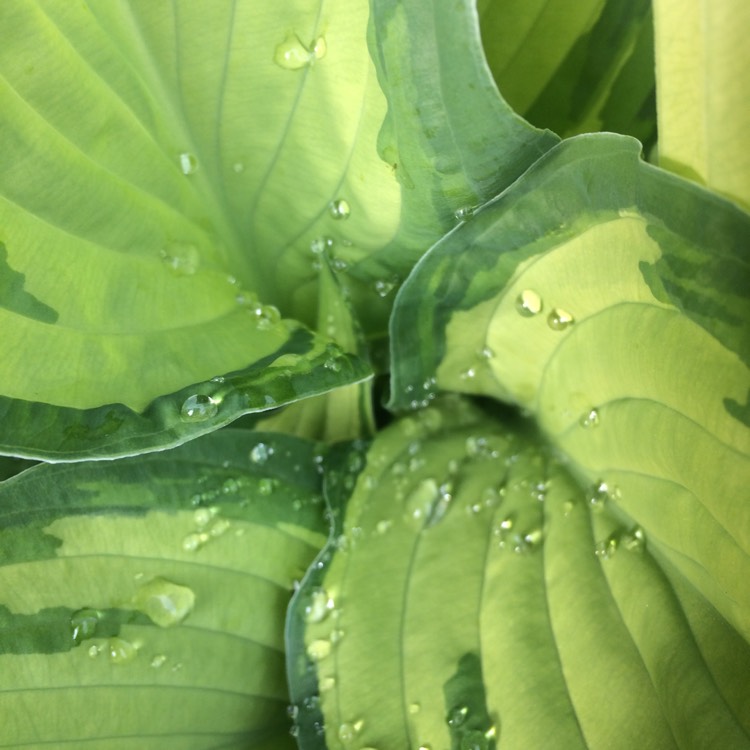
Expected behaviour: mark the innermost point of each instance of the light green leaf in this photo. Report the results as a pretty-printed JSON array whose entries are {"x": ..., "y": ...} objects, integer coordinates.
[
  {"x": 474, "y": 597},
  {"x": 702, "y": 59},
  {"x": 142, "y": 602},
  {"x": 574, "y": 67},
  {"x": 610, "y": 300}
]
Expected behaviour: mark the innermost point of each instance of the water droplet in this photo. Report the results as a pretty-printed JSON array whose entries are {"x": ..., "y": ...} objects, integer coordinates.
[
  {"x": 166, "y": 603},
  {"x": 158, "y": 661},
  {"x": 326, "y": 683},
  {"x": 194, "y": 541},
  {"x": 634, "y": 540},
  {"x": 318, "y": 649},
  {"x": 261, "y": 453},
  {"x": 606, "y": 549},
  {"x": 199, "y": 408},
  {"x": 188, "y": 163},
  {"x": 319, "y": 606},
  {"x": 414, "y": 708},
  {"x": 320, "y": 244},
  {"x": 332, "y": 364},
  {"x": 336, "y": 635},
  {"x": 339, "y": 209},
  {"x": 468, "y": 374},
  {"x": 319, "y": 48},
  {"x": 383, "y": 287},
  {"x": 598, "y": 495},
  {"x": 559, "y": 319},
  {"x": 457, "y": 716},
  {"x": 83, "y": 624},
  {"x": 590, "y": 419},
  {"x": 383, "y": 526},
  {"x": 121, "y": 651},
  {"x": 203, "y": 516},
  {"x": 181, "y": 258},
  {"x": 529, "y": 303},
  {"x": 421, "y": 499},
  {"x": 464, "y": 213},
  {"x": 474, "y": 739},
  {"x": 348, "y": 731},
  {"x": 292, "y": 54},
  {"x": 486, "y": 353},
  {"x": 266, "y": 486},
  {"x": 94, "y": 651}
]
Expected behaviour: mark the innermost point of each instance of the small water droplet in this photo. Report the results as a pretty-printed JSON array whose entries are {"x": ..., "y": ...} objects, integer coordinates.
[
  {"x": 158, "y": 661},
  {"x": 166, "y": 603},
  {"x": 261, "y": 453},
  {"x": 420, "y": 500},
  {"x": 383, "y": 526},
  {"x": 414, "y": 708},
  {"x": 203, "y": 516},
  {"x": 318, "y": 649},
  {"x": 326, "y": 683},
  {"x": 383, "y": 287},
  {"x": 319, "y": 48},
  {"x": 83, "y": 624},
  {"x": 292, "y": 54},
  {"x": 336, "y": 635},
  {"x": 181, "y": 258},
  {"x": 94, "y": 651},
  {"x": 188, "y": 163},
  {"x": 320, "y": 244},
  {"x": 339, "y": 209},
  {"x": 319, "y": 606},
  {"x": 634, "y": 540},
  {"x": 332, "y": 364},
  {"x": 199, "y": 408},
  {"x": 464, "y": 213},
  {"x": 598, "y": 495},
  {"x": 606, "y": 549},
  {"x": 529, "y": 303},
  {"x": 486, "y": 353},
  {"x": 457, "y": 716},
  {"x": 348, "y": 731},
  {"x": 194, "y": 541},
  {"x": 590, "y": 419},
  {"x": 219, "y": 527},
  {"x": 559, "y": 319},
  {"x": 121, "y": 651}
]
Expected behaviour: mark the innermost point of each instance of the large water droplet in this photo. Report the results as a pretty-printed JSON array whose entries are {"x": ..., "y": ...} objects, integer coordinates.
[
  {"x": 164, "y": 602},
  {"x": 529, "y": 303},
  {"x": 188, "y": 163},
  {"x": 464, "y": 213},
  {"x": 83, "y": 624},
  {"x": 339, "y": 209},
  {"x": 559, "y": 319},
  {"x": 199, "y": 408},
  {"x": 292, "y": 54}
]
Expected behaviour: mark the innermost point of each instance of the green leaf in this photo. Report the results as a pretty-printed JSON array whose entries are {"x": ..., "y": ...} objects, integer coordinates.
[
  {"x": 574, "y": 67},
  {"x": 609, "y": 299},
  {"x": 474, "y": 597},
  {"x": 702, "y": 60},
  {"x": 142, "y": 601}
]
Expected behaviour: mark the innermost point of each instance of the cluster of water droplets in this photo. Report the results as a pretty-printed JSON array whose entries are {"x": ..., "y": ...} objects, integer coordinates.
[
  {"x": 529, "y": 304},
  {"x": 422, "y": 394},
  {"x": 208, "y": 526}
]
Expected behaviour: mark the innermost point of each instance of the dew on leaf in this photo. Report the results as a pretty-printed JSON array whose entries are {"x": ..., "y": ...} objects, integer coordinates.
[
  {"x": 158, "y": 661},
  {"x": 181, "y": 258},
  {"x": 166, "y": 603},
  {"x": 121, "y": 651},
  {"x": 188, "y": 163},
  {"x": 606, "y": 549},
  {"x": 590, "y": 419},
  {"x": 260, "y": 453},
  {"x": 319, "y": 605},
  {"x": 83, "y": 624},
  {"x": 383, "y": 287},
  {"x": 318, "y": 649},
  {"x": 634, "y": 540},
  {"x": 464, "y": 213},
  {"x": 559, "y": 319},
  {"x": 529, "y": 303},
  {"x": 292, "y": 54},
  {"x": 199, "y": 408},
  {"x": 457, "y": 716},
  {"x": 339, "y": 209}
]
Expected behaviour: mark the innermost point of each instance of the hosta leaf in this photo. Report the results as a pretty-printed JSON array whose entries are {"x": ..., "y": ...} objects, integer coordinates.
[
  {"x": 574, "y": 66},
  {"x": 474, "y": 597},
  {"x": 610, "y": 300},
  {"x": 702, "y": 60},
  {"x": 142, "y": 602},
  {"x": 170, "y": 175}
]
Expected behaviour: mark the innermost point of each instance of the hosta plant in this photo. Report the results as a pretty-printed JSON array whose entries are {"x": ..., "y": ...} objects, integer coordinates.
[{"x": 374, "y": 376}]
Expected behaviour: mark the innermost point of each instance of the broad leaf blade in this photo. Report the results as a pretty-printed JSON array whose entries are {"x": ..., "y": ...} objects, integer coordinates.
[
  {"x": 609, "y": 299},
  {"x": 575, "y": 67},
  {"x": 702, "y": 60},
  {"x": 474, "y": 597},
  {"x": 143, "y": 601}
]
